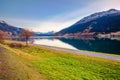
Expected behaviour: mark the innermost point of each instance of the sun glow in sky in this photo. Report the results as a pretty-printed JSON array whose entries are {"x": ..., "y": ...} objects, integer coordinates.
[{"x": 50, "y": 15}]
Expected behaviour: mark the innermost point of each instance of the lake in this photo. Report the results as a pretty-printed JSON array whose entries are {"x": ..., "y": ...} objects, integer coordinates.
[{"x": 110, "y": 46}]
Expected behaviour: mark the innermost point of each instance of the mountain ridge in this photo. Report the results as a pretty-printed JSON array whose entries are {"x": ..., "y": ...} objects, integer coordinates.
[
  {"x": 9, "y": 29},
  {"x": 100, "y": 22}
]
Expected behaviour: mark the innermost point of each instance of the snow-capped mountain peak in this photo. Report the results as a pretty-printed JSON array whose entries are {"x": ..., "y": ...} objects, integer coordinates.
[
  {"x": 112, "y": 10},
  {"x": 1, "y": 21},
  {"x": 98, "y": 15}
]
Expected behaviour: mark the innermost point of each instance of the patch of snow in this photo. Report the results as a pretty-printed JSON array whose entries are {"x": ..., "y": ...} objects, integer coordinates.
[
  {"x": 1, "y": 21},
  {"x": 99, "y": 14}
]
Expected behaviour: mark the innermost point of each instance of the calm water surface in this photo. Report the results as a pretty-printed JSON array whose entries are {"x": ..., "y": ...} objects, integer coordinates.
[{"x": 90, "y": 44}]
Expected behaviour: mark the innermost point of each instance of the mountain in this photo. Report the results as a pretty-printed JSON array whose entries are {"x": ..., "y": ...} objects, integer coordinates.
[
  {"x": 9, "y": 29},
  {"x": 51, "y": 33},
  {"x": 101, "y": 22}
]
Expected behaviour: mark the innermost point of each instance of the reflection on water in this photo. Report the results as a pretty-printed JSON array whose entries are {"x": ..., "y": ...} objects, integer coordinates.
[
  {"x": 89, "y": 44},
  {"x": 53, "y": 42},
  {"x": 97, "y": 45}
]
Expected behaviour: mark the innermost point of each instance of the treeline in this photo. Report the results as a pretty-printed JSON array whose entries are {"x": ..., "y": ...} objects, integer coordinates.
[{"x": 26, "y": 34}]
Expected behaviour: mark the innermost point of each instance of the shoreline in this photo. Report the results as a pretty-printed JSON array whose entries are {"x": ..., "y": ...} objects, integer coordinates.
[
  {"x": 82, "y": 52},
  {"x": 37, "y": 62}
]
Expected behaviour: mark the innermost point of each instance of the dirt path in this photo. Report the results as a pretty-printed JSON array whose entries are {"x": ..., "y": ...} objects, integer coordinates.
[
  {"x": 88, "y": 53},
  {"x": 13, "y": 67},
  {"x": 4, "y": 68}
]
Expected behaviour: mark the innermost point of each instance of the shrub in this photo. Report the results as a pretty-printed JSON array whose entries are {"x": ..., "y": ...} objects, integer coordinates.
[
  {"x": 4, "y": 35},
  {"x": 16, "y": 45},
  {"x": 1, "y": 41}
]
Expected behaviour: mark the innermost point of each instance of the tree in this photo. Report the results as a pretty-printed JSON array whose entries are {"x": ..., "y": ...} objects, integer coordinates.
[
  {"x": 4, "y": 35},
  {"x": 1, "y": 36},
  {"x": 26, "y": 34}
]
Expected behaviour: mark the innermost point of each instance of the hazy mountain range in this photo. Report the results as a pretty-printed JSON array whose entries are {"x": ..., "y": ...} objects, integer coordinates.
[
  {"x": 15, "y": 30},
  {"x": 50, "y": 33},
  {"x": 9, "y": 29}
]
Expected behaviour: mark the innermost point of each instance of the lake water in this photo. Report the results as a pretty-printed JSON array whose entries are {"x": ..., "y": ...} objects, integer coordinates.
[{"x": 110, "y": 46}]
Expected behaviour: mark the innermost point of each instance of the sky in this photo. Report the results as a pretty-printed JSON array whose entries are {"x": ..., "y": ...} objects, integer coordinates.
[{"x": 51, "y": 15}]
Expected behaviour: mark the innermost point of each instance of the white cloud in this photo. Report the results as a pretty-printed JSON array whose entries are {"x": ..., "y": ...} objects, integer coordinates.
[{"x": 96, "y": 6}]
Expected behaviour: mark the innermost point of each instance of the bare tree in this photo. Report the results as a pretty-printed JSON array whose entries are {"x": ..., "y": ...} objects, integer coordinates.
[
  {"x": 26, "y": 34},
  {"x": 4, "y": 35},
  {"x": 1, "y": 36}
]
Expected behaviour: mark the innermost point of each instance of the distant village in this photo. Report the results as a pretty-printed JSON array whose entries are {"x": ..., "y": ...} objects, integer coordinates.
[{"x": 94, "y": 34}]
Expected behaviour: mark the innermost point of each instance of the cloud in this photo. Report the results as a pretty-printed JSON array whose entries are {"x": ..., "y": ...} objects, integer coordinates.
[{"x": 96, "y": 6}]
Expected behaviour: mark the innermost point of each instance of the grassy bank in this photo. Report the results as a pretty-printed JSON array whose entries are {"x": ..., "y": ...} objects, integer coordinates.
[
  {"x": 14, "y": 67},
  {"x": 58, "y": 65}
]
